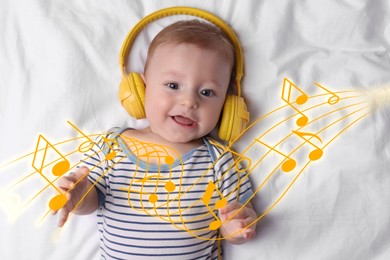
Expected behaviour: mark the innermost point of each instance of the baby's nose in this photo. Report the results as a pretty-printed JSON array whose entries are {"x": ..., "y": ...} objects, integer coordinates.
[{"x": 189, "y": 100}]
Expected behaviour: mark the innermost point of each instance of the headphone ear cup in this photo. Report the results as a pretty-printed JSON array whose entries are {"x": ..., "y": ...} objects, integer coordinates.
[
  {"x": 132, "y": 95},
  {"x": 234, "y": 119}
]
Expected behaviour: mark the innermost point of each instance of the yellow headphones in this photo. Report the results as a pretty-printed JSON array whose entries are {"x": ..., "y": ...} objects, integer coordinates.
[{"x": 132, "y": 89}]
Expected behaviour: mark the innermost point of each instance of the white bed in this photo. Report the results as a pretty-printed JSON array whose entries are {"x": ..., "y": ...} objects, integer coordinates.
[{"x": 59, "y": 63}]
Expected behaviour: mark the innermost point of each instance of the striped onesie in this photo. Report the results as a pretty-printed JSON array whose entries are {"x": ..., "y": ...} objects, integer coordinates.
[{"x": 161, "y": 209}]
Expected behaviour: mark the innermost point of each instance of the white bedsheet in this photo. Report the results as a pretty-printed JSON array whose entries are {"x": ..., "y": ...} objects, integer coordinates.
[{"x": 59, "y": 62}]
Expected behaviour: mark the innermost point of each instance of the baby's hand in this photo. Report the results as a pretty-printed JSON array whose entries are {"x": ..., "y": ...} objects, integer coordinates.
[
  {"x": 74, "y": 192},
  {"x": 234, "y": 228}
]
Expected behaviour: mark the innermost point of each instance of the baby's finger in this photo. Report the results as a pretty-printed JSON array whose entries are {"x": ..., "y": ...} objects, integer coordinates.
[
  {"x": 64, "y": 213},
  {"x": 80, "y": 173},
  {"x": 246, "y": 231},
  {"x": 239, "y": 213},
  {"x": 65, "y": 183},
  {"x": 249, "y": 224},
  {"x": 64, "y": 208},
  {"x": 236, "y": 214},
  {"x": 249, "y": 234},
  {"x": 230, "y": 207},
  {"x": 250, "y": 231}
]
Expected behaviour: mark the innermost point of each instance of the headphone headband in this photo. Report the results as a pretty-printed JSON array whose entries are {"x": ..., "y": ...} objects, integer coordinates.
[{"x": 185, "y": 11}]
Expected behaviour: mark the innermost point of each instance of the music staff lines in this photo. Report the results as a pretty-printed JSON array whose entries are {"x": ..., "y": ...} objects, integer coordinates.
[
  {"x": 149, "y": 186},
  {"x": 294, "y": 150},
  {"x": 299, "y": 173},
  {"x": 309, "y": 161},
  {"x": 303, "y": 143},
  {"x": 58, "y": 200},
  {"x": 246, "y": 150},
  {"x": 255, "y": 122}
]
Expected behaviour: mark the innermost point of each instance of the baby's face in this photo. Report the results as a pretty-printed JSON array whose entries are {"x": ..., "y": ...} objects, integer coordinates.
[{"x": 185, "y": 91}]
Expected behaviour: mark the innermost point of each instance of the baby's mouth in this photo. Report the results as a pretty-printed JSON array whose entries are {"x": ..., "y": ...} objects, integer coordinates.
[{"x": 185, "y": 121}]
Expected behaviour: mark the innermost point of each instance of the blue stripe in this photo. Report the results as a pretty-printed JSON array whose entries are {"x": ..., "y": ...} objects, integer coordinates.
[
  {"x": 162, "y": 215},
  {"x": 161, "y": 223},
  {"x": 171, "y": 231},
  {"x": 139, "y": 170},
  {"x": 207, "y": 234},
  {"x": 192, "y": 244},
  {"x": 154, "y": 255}
]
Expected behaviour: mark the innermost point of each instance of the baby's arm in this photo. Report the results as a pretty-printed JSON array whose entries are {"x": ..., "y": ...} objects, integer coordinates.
[
  {"x": 234, "y": 229},
  {"x": 82, "y": 197}
]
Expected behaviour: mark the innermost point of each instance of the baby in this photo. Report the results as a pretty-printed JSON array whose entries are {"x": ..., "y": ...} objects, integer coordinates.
[{"x": 147, "y": 208}]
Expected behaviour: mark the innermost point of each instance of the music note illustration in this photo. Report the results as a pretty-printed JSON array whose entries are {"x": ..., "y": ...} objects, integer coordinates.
[
  {"x": 241, "y": 160},
  {"x": 89, "y": 141},
  {"x": 169, "y": 159},
  {"x": 58, "y": 169},
  {"x": 153, "y": 198},
  {"x": 315, "y": 154},
  {"x": 169, "y": 186},
  {"x": 111, "y": 155},
  {"x": 219, "y": 204},
  {"x": 288, "y": 164},
  {"x": 301, "y": 99},
  {"x": 333, "y": 99}
]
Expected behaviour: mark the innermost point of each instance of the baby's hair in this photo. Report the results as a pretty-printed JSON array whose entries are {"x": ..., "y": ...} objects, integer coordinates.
[{"x": 199, "y": 33}]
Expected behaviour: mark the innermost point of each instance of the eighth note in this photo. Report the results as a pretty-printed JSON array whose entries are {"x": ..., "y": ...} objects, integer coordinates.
[
  {"x": 58, "y": 170},
  {"x": 153, "y": 198},
  {"x": 333, "y": 99},
  {"x": 88, "y": 139},
  {"x": 300, "y": 100},
  {"x": 315, "y": 154},
  {"x": 219, "y": 204},
  {"x": 110, "y": 155},
  {"x": 288, "y": 165},
  {"x": 169, "y": 185}
]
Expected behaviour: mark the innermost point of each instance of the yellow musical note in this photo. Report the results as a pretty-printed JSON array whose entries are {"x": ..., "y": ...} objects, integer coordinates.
[
  {"x": 58, "y": 170},
  {"x": 219, "y": 204},
  {"x": 169, "y": 186},
  {"x": 315, "y": 154},
  {"x": 289, "y": 163},
  {"x": 169, "y": 160},
  {"x": 88, "y": 139},
  {"x": 111, "y": 155},
  {"x": 300, "y": 100},
  {"x": 153, "y": 198},
  {"x": 333, "y": 99}
]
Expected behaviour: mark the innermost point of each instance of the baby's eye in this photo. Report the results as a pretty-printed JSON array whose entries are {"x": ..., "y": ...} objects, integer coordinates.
[
  {"x": 172, "y": 85},
  {"x": 207, "y": 92}
]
